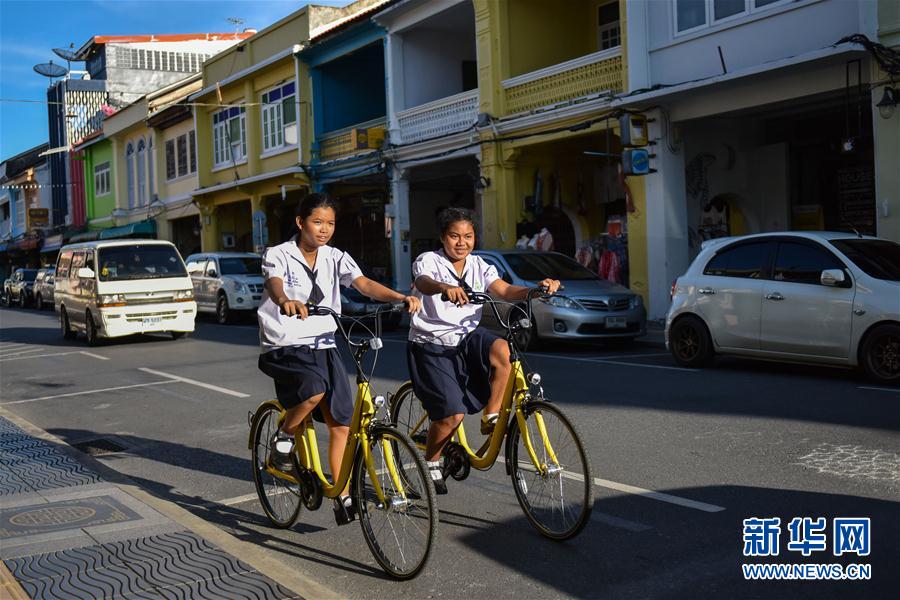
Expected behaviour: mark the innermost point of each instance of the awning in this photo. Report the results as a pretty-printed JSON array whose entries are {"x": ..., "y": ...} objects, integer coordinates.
[
  {"x": 85, "y": 236},
  {"x": 52, "y": 242},
  {"x": 29, "y": 243},
  {"x": 141, "y": 228}
]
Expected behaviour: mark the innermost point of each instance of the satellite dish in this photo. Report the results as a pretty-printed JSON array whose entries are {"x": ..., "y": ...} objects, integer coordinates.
[
  {"x": 66, "y": 54},
  {"x": 50, "y": 70}
]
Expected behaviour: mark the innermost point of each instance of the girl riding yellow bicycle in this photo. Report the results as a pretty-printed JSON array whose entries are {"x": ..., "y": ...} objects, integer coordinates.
[{"x": 455, "y": 367}]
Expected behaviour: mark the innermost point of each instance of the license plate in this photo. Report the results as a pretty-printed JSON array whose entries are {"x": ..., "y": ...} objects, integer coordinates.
[
  {"x": 151, "y": 321},
  {"x": 616, "y": 323}
]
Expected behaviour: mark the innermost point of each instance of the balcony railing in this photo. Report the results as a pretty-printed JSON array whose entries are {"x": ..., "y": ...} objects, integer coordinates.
[
  {"x": 438, "y": 118},
  {"x": 339, "y": 143},
  {"x": 584, "y": 76}
]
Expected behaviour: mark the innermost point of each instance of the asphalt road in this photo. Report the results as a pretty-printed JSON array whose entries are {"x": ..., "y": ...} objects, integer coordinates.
[{"x": 680, "y": 457}]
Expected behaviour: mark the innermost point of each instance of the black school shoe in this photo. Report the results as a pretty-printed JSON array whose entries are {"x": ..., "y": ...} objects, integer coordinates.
[
  {"x": 437, "y": 478},
  {"x": 281, "y": 448},
  {"x": 343, "y": 510}
]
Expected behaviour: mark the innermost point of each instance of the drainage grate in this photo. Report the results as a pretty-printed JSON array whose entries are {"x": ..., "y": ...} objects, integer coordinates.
[{"x": 99, "y": 447}]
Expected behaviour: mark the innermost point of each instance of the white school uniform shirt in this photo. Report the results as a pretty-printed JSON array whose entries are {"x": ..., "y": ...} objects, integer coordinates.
[
  {"x": 441, "y": 322},
  {"x": 333, "y": 269}
]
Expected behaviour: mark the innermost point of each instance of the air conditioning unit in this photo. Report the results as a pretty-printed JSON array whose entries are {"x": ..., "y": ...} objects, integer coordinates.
[
  {"x": 228, "y": 240},
  {"x": 364, "y": 138}
]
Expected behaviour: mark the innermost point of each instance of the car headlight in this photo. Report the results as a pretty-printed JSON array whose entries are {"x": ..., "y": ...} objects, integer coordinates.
[
  {"x": 184, "y": 294},
  {"x": 561, "y": 302},
  {"x": 637, "y": 301},
  {"x": 107, "y": 300},
  {"x": 240, "y": 287}
]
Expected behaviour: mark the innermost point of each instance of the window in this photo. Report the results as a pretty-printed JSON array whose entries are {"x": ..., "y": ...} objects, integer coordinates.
[
  {"x": 695, "y": 14},
  {"x": 229, "y": 135},
  {"x": 181, "y": 155},
  {"x": 745, "y": 261},
  {"x": 150, "y": 170},
  {"x": 195, "y": 266},
  {"x": 279, "y": 117},
  {"x": 722, "y": 9},
  {"x": 241, "y": 265},
  {"x": 211, "y": 268},
  {"x": 537, "y": 266},
  {"x": 500, "y": 270},
  {"x": 140, "y": 261},
  {"x": 877, "y": 258},
  {"x": 689, "y": 14},
  {"x": 77, "y": 263},
  {"x": 129, "y": 173},
  {"x": 62, "y": 267},
  {"x": 101, "y": 179},
  {"x": 609, "y": 33},
  {"x": 801, "y": 263},
  {"x": 141, "y": 174}
]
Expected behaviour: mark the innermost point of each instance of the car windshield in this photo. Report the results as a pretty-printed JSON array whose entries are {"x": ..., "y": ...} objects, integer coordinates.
[
  {"x": 141, "y": 261},
  {"x": 241, "y": 265},
  {"x": 29, "y": 274},
  {"x": 537, "y": 266},
  {"x": 877, "y": 258}
]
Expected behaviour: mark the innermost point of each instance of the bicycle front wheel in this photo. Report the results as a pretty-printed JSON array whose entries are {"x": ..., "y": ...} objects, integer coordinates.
[
  {"x": 280, "y": 498},
  {"x": 557, "y": 492},
  {"x": 400, "y": 525}
]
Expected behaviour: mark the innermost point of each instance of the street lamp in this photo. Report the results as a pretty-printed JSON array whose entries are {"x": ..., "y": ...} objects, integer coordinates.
[{"x": 888, "y": 102}]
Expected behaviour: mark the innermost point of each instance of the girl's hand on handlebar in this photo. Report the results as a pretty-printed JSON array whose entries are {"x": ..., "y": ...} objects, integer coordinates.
[
  {"x": 293, "y": 308},
  {"x": 456, "y": 295},
  {"x": 413, "y": 304},
  {"x": 549, "y": 286}
]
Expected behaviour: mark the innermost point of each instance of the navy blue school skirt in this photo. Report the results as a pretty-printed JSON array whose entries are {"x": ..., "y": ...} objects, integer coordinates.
[
  {"x": 452, "y": 380},
  {"x": 301, "y": 373}
]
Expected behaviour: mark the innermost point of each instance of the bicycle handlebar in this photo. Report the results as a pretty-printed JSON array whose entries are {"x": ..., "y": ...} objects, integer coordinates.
[{"x": 511, "y": 326}]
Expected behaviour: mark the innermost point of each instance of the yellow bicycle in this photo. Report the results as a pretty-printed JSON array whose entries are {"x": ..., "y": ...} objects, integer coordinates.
[
  {"x": 550, "y": 471},
  {"x": 391, "y": 490}
]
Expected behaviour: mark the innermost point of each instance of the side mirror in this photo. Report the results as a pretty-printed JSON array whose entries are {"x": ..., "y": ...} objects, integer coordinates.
[
  {"x": 85, "y": 273},
  {"x": 834, "y": 278},
  {"x": 212, "y": 273}
]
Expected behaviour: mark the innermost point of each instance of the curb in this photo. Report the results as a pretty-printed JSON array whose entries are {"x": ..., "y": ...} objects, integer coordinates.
[{"x": 259, "y": 558}]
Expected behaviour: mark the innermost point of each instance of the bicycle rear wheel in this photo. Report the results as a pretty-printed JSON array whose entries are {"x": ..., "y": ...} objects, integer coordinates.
[
  {"x": 409, "y": 415},
  {"x": 558, "y": 495},
  {"x": 280, "y": 499},
  {"x": 400, "y": 529}
]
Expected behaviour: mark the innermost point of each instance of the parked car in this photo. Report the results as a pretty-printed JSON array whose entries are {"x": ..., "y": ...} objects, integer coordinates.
[
  {"x": 4, "y": 295},
  {"x": 354, "y": 304},
  {"x": 226, "y": 283},
  {"x": 21, "y": 287},
  {"x": 112, "y": 288},
  {"x": 588, "y": 309},
  {"x": 43, "y": 287},
  {"x": 818, "y": 297}
]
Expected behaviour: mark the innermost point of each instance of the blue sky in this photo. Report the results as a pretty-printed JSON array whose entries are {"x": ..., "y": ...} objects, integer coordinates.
[{"x": 30, "y": 29}]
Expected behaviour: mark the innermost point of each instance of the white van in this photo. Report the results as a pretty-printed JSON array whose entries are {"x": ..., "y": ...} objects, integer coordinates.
[{"x": 114, "y": 288}]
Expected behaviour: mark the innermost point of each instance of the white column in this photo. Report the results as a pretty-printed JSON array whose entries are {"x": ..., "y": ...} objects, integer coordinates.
[
  {"x": 393, "y": 59},
  {"x": 667, "y": 224},
  {"x": 398, "y": 209}
]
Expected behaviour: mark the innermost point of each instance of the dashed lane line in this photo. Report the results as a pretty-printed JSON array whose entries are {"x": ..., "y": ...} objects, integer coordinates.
[
  {"x": 85, "y": 392},
  {"x": 880, "y": 389},
  {"x": 208, "y": 386},
  {"x": 32, "y": 356},
  {"x": 5, "y": 352}
]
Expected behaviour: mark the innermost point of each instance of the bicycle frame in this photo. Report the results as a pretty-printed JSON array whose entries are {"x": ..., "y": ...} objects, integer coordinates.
[
  {"x": 307, "y": 447},
  {"x": 516, "y": 391}
]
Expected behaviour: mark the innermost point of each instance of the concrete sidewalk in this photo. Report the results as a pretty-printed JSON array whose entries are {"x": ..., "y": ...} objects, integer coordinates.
[{"x": 72, "y": 528}]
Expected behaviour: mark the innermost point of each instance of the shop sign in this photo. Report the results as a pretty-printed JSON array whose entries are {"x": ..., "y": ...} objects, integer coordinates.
[{"x": 38, "y": 218}]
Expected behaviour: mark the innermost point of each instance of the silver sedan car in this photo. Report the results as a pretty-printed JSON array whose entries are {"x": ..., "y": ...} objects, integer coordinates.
[{"x": 587, "y": 309}]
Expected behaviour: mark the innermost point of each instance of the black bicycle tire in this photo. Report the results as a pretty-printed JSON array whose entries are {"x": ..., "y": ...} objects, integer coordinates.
[
  {"x": 357, "y": 491},
  {"x": 512, "y": 458},
  {"x": 257, "y": 475}
]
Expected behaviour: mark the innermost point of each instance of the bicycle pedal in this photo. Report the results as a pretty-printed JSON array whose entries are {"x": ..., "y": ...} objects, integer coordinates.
[{"x": 343, "y": 514}]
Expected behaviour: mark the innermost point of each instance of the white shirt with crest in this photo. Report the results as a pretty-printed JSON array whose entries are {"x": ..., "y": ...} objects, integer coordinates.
[
  {"x": 441, "y": 322},
  {"x": 334, "y": 268}
]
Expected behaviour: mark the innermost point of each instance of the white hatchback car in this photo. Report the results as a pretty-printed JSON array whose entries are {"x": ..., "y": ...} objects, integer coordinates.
[{"x": 819, "y": 297}]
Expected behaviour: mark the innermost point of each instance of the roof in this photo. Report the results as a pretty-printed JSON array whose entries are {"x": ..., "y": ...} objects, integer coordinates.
[
  {"x": 24, "y": 160},
  {"x": 122, "y": 242},
  {"x": 99, "y": 40},
  {"x": 223, "y": 255},
  {"x": 335, "y": 26}
]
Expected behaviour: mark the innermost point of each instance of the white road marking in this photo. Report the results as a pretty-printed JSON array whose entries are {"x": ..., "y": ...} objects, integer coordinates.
[
  {"x": 227, "y": 501},
  {"x": 70, "y": 394},
  {"x": 619, "y": 522},
  {"x": 208, "y": 386},
  {"x": 3, "y": 359},
  {"x": 880, "y": 389},
  {"x": 16, "y": 351}
]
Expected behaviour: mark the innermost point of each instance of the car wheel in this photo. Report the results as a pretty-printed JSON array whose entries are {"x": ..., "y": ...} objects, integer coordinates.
[
  {"x": 67, "y": 331},
  {"x": 223, "y": 311},
  {"x": 23, "y": 300},
  {"x": 881, "y": 354},
  {"x": 177, "y": 335},
  {"x": 690, "y": 343},
  {"x": 5, "y": 299},
  {"x": 90, "y": 328}
]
